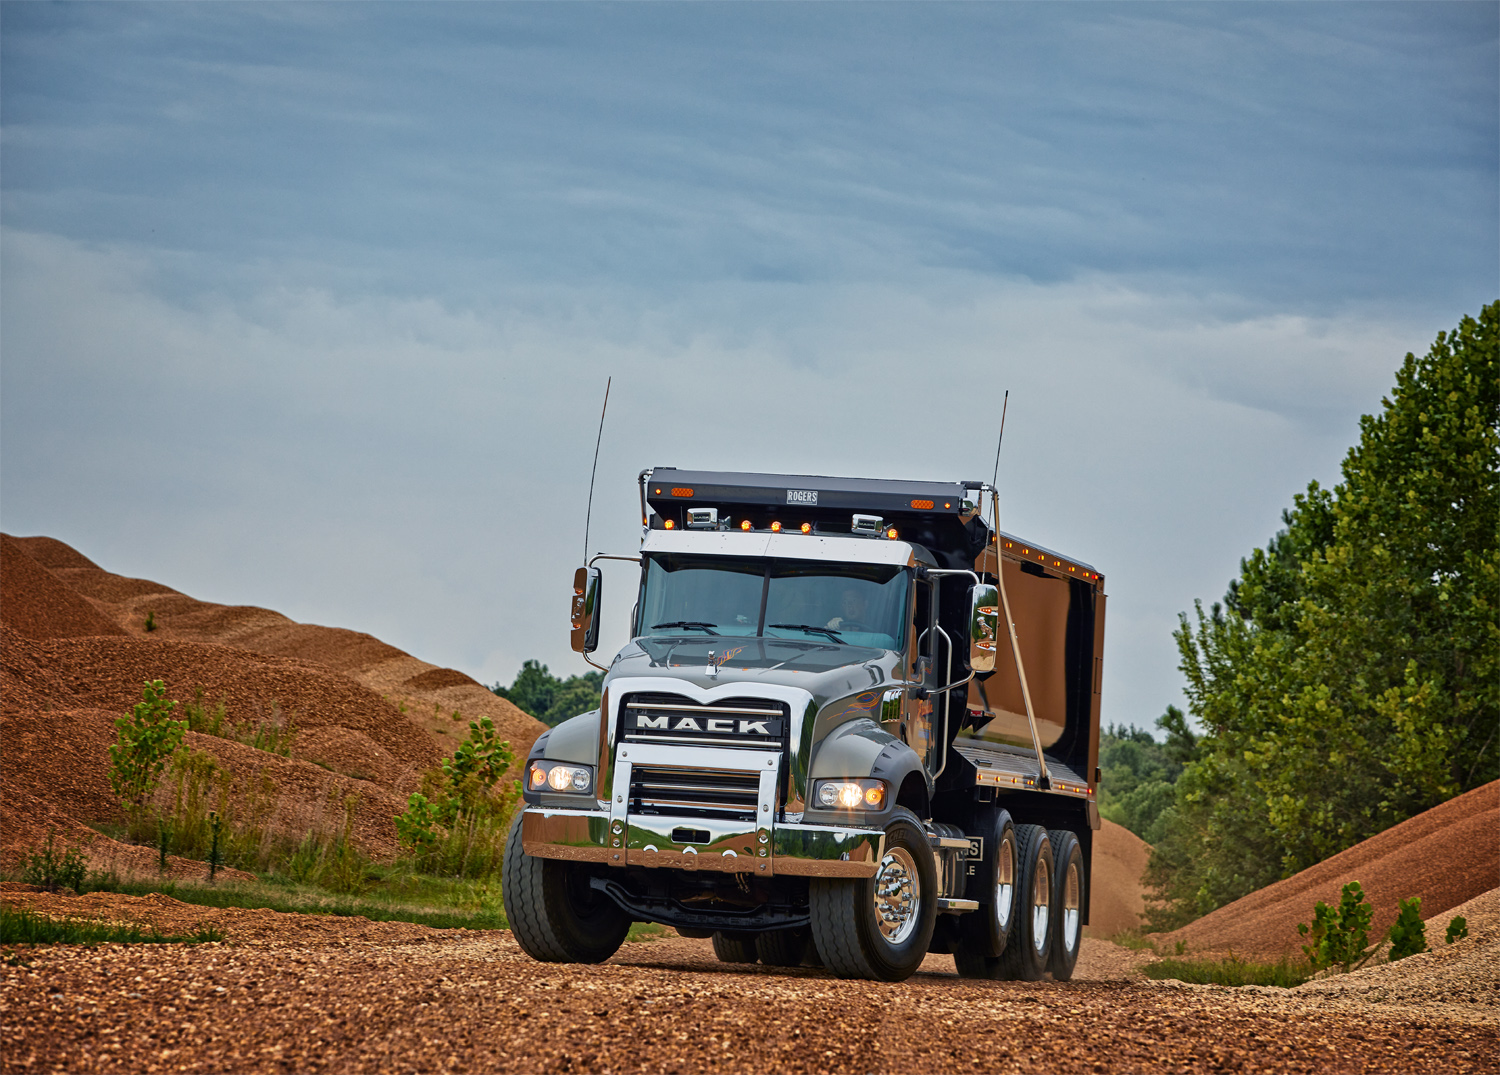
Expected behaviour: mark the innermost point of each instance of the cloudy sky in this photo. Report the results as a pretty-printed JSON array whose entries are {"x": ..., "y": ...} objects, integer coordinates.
[{"x": 312, "y": 306}]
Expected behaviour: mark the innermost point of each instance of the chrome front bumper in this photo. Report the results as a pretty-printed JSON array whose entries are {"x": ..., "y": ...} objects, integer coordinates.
[
  {"x": 612, "y": 835},
  {"x": 731, "y": 847}
]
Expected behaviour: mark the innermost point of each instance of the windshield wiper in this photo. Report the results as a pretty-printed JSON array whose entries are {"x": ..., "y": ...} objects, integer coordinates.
[
  {"x": 707, "y": 628},
  {"x": 829, "y": 631}
]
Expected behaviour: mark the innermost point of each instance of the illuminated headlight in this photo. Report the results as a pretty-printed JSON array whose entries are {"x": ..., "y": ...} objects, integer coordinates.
[
  {"x": 850, "y": 794},
  {"x": 574, "y": 779}
]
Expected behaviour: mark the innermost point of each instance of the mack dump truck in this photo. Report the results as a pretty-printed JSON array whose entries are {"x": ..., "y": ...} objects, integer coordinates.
[{"x": 854, "y": 724}]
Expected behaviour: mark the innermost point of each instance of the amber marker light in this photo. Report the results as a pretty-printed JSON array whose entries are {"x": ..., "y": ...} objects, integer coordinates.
[
  {"x": 922, "y": 505},
  {"x": 775, "y": 528},
  {"x": 891, "y": 533},
  {"x": 874, "y": 795},
  {"x": 538, "y": 776},
  {"x": 681, "y": 490},
  {"x": 745, "y": 524},
  {"x": 669, "y": 525},
  {"x": 807, "y": 528}
]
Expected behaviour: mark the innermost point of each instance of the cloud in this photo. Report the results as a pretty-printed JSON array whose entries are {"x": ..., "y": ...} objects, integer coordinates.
[{"x": 417, "y": 468}]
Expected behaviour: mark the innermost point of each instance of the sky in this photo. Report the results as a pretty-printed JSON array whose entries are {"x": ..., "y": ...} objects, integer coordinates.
[{"x": 312, "y": 306}]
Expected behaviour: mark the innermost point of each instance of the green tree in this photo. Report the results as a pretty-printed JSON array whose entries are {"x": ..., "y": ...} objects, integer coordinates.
[
  {"x": 1352, "y": 676},
  {"x": 549, "y": 699},
  {"x": 145, "y": 741},
  {"x": 1140, "y": 773}
]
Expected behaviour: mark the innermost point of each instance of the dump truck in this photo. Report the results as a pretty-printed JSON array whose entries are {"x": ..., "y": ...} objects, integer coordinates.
[{"x": 855, "y": 723}]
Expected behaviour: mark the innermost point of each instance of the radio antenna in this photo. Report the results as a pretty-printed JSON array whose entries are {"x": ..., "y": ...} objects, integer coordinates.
[
  {"x": 1005, "y": 404},
  {"x": 589, "y": 515}
]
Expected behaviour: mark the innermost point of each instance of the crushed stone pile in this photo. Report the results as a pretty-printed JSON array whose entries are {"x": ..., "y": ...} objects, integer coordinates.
[
  {"x": 1117, "y": 899},
  {"x": 74, "y": 651},
  {"x": 1447, "y": 856}
]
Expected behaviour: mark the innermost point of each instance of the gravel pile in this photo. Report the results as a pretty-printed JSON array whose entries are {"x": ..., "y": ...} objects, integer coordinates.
[{"x": 1447, "y": 855}]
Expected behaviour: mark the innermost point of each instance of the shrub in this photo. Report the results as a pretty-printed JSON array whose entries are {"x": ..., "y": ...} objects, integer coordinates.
[
  {"x": 1458, "y": 929},
  {"x": 52, "y": 871},
  {"x": 1408, "y": 935},
  {"x": 1339, "y": 934},
  {"x": 457, "y": 823},
  {"x": 146, "y": 740}
]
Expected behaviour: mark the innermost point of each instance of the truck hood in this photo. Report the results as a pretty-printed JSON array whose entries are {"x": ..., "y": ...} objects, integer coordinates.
[{"x": 828, "y": 671}]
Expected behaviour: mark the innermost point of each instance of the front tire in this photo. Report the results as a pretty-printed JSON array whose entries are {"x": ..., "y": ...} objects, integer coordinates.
[
  {"x": 879, "y": 927},
  {"x": 554, "y": 914},
  {"x": 1067, "y": 903},
  {"x": 1029, "y": 944}
]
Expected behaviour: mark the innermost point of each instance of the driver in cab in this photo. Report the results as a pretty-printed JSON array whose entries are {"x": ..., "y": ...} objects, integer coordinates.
[{"x": 853, "y": 611}]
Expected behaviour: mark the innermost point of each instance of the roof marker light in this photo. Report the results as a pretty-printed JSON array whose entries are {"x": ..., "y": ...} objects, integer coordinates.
[
  {"x": 775, "y": 528},
  {"x": 891, "y": 533},
  {"x": 668, "y": 524},
  {"x": 745, "y": 524},
  {"x": 922, "y": 505},
  {"x": 807, "y": 528},
  {"x": 681, "y": 490}
]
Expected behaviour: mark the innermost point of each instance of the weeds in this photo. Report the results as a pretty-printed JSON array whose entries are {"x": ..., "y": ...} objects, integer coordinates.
[
  {"x": 18, "y": 926},
  {"x": 1231, "y": 971},
  {"x": 272, "y": 733},
  {"x": 47, "y": 869}
]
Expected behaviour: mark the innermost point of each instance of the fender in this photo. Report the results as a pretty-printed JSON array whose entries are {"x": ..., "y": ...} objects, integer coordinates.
[{"x": 862, "y": 748}]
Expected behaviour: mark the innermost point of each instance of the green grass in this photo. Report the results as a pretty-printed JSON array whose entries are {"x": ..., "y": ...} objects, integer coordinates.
[
  {"x": 423, "y": 901},
  {"x": 1231, "y": 971},
  {"x": 19, "y": 926}
]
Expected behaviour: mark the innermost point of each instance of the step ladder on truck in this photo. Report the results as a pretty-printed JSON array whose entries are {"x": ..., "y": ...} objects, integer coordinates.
[{"x": 854, "y": 724}]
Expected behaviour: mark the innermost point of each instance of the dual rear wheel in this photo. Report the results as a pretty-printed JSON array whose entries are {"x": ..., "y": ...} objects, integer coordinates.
[{"x": 1031, "y": 889}]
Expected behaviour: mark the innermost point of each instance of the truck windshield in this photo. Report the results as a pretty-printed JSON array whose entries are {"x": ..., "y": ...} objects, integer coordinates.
[{"x": 851, "y": 604}]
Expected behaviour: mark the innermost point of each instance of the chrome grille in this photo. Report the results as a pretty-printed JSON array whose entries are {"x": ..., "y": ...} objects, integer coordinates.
[
  {"x": 694, "y": 792},
  {"x": 731, "y": 722}
]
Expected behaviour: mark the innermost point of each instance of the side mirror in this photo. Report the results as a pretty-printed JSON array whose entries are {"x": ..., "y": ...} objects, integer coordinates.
[
  {"x": 984, "y": 623},
  {"x": 586, "y": 609}
]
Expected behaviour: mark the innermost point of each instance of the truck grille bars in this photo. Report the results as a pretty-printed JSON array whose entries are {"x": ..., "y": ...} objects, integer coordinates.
[
  {"x": 723, "y": 785},
  {"x": 686, "y": 793}
]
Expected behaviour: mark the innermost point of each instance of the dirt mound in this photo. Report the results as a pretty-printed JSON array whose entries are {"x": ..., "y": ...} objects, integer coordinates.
[
  {"x": 439, "y": 678},
  {"x": 1464, "y": 973},
  {"x": 1116, "y": 898},
  {"x": 1447, "y": 855},
  {"x": 428, "y": 703},
  {"x": 39, "y": 605}
]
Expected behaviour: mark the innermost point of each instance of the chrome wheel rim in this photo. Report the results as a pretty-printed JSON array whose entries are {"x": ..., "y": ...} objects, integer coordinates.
[
  {"x": 1005, "y": 883},
  {"x": 1072, "y": 898},
  {"x": 898, "y": 895},
  {"x": 1041, "y": 899}
]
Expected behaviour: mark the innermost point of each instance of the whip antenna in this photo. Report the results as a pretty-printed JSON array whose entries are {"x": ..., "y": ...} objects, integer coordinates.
[
  {"x": 589, "y": 515},
  {"x": 995, "y": 481}
]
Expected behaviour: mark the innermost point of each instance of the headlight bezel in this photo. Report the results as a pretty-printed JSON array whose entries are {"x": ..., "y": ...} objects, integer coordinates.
[
  {"x": 850, "y": 794},
  {"x": 547, "y": 777}
]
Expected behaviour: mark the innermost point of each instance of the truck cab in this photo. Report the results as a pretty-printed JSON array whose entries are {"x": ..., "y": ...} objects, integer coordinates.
[{"x": 820, "y": 744}]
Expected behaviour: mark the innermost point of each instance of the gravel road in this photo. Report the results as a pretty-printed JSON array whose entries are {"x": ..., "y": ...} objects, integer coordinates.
[{"x": 459, "y": 1001}]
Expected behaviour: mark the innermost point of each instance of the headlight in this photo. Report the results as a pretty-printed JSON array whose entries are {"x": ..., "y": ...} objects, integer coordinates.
[
  {"x": 849, "y": 794},
  {"x": 559, "y": 776}
]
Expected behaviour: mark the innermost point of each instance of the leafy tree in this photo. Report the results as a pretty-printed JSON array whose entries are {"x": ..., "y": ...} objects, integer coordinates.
[
  {"x": 549, "y": 699},
  {"x": 1351, "y": 678},
  {"x": 145, "y": 741},
  {"x": 1140, "y": 773},
  {"x": 456, "y": 824}
]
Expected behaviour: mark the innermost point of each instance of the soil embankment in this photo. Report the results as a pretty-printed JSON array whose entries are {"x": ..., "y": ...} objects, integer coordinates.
[
  {"x": 1446, "y": 855},
  {"x": 75, "y": 649}
]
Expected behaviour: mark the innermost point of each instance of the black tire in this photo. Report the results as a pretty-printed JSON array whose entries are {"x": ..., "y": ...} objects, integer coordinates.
[
  {"x": 983, "y": 933},
  {"x": 554, "y": 914},
  {"x": 735, "y": 947},
  {"x": 854, "y": 939},
  {"x": 783, "y": 947},
  {"x": 1068, "y": 888},
  {"x": 1029, "y": 943}
]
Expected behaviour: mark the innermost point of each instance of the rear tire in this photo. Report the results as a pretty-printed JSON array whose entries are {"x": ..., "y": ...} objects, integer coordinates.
[
  {"x": 554, "y": 914},
  {"x": 783, "y": 947},
  {"x": 983, "y": 933},
  {"x": 734, "y": 947},
  {"x": 1067, "y": 903},
  {"x": 879, "y": 927},
  {"x": 1029, "y": 943}
]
